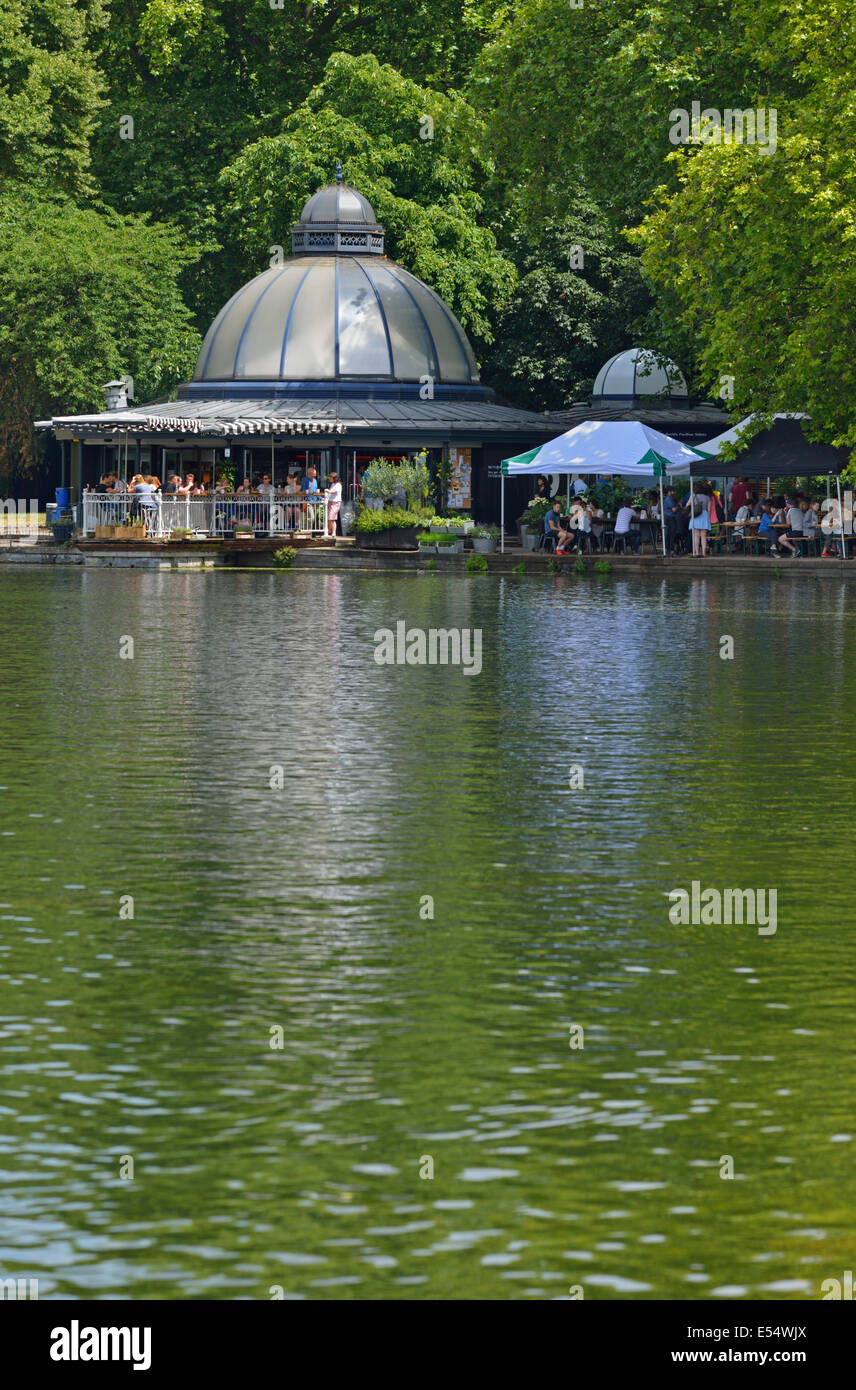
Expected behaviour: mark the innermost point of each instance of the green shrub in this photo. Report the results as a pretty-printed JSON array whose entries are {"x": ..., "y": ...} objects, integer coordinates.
[
  {"x": 519, "y": 569},
  {"x": 445, "y": 542},
  {"x": 432, "y": 564},
  {"x": 580, "y": 566},
  {"x": 381, "y": 479},
  {"x": 602, "y": 567},
  {"x": 285, "y": 557},
  {"x": 486, "y": 533},
  {"x": 476, "y": 564},
  {"x": 536, "y": 511},
  {"x": 370, "y": 521}
]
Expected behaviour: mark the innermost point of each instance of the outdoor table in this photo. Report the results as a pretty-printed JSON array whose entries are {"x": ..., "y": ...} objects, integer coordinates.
[{"x": 653, "y": 524}]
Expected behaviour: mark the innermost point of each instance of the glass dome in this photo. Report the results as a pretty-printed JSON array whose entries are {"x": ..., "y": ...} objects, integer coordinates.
[
  {"x": 337, "y": 310},
  {"x": 638, "y": 373}
]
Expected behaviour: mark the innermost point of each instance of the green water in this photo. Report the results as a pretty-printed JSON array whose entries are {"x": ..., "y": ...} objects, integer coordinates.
[{"x": 407, "y": 1038}]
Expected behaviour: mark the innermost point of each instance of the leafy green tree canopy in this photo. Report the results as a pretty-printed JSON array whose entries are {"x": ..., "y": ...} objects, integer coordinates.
[
  {"x": 87, "y": 295},
  {"x": 50, "y": 90},
  {"x": 412, "y": 151}
]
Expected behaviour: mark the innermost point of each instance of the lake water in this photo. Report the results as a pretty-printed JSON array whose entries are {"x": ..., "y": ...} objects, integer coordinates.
[{"x": 409, "y": 1041}]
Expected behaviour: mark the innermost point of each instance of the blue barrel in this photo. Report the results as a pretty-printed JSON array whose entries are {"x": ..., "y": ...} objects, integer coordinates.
[{"x": 63, "y": 499}]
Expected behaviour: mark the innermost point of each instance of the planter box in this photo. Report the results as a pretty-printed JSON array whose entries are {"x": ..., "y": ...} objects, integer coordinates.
[
  {"x": 456, "y": 549},
  {"x": 399, "y": 538},
  {"x": 128, "y": 533},
  {"x": 485, "y": 545},
  {"x": 427, "y": 549}
]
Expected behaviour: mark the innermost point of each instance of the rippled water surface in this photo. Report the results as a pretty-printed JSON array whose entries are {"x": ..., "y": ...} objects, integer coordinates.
[{"x": 408, "y": 1040}]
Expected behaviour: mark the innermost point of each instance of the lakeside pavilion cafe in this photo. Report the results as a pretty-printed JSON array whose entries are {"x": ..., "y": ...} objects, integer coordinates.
[{"x": 333, "y": 357}]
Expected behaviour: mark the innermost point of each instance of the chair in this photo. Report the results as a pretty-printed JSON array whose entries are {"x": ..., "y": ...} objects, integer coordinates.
[{"x": 546, "y": 541}]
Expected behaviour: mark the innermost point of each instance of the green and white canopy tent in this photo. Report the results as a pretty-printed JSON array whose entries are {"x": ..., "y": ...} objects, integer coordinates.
[{"x": 611, "y": 448}]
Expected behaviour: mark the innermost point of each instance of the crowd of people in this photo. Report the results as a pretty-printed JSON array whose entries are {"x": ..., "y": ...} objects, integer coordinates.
[
  {"x": 147, "y": 490},
  {"x": 688, "y": 521}
]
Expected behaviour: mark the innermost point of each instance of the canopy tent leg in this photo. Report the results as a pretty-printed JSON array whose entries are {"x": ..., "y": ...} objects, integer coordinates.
[
  {"x": 662, "y": 517},
  {"x": 692, "y": 529},
  {"x": 502, "y": 516},
  {"x": 840, "y": 517}
]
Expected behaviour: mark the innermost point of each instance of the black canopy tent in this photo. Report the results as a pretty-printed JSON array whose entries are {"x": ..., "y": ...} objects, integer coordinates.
[{"x": 780, "y": 451}]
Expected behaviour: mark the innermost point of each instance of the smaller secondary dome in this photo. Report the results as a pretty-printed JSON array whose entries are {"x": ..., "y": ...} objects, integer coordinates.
[
  {"x": 339, "y": 219},
  {"x": 338, "y": 202},
  {"x": 638, "y": 373}
]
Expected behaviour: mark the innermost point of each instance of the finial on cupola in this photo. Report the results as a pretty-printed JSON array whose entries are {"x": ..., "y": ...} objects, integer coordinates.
[{"x": 338, "y": 171}]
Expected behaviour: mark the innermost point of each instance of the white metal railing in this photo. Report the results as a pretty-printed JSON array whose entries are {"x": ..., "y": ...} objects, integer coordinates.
[{"x": 214, "y": 514}]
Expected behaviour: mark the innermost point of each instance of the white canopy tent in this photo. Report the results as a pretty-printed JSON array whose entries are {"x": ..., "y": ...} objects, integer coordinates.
[{"x": 611, "y": 448}]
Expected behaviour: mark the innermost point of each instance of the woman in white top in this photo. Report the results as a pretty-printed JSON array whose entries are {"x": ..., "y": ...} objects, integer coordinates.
[{"x": 334, "y": 501}]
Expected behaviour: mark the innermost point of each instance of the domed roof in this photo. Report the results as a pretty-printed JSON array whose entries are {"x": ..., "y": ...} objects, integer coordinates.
[
  {"x": 338, "y": 202},
  {"x": 333, "y": 317},
  {"x": 337, "y": 310},
  {"x": 638, "y": 373}
]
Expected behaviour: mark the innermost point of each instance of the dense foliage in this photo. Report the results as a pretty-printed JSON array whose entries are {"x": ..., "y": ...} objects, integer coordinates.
[{"x": 521, "y": 159}]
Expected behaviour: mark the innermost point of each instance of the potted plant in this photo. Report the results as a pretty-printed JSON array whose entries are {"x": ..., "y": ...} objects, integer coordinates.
[
  {"x": 532, "y": 520},
  {"x": 180, "y": 533},
  {"x": 484, "y": 539},
  {"x": 427, "y": 542},
  {"x": 392, "y": 528},
  {"x": 380, "y": 483},
  {"x": 63, "y": 527},
  {"x": 449, "y": 545}
]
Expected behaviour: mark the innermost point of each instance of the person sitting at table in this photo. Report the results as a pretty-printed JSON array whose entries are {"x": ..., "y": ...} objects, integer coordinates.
[
  {"x": 810, "y": 519},
  {"x": 780, "y": 521},
  {"x": 246, "y": 486},
  {"x": 581, "y": 512},
  {"x": 598, "y": 522},
  {"x": 627, "y": 515},
  {"x": 744, "y": 514},
  {"x": 553, "y": 525},
  {"x": 794, "y": 516},
  {"x": 542, "y": 488},
  {"x": 653, "y": 504}
]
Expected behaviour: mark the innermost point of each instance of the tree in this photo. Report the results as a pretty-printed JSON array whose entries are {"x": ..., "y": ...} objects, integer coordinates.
[
  {"x": 591, "y": 88},
  {"x": 754, "y": 249},
  {"x": 579, "y": 293},
  {"x": 87, "y": 295},
  {"x": 50, "y": 91},
  {"x": 424, "y": 190}
]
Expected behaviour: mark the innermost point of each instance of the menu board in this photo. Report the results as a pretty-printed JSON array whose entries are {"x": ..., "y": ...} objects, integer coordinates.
[{"x": 460, "y": 479}]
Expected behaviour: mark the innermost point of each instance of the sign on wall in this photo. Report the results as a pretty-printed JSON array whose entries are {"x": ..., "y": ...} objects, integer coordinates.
[{"x": 460, "y": 478}]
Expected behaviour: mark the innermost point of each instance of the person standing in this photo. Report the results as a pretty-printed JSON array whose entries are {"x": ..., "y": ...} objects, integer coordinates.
[
  {"x": 700, "y": 519},
  {"x": 670, "y": 521},
  {"x": 334, "y": 501},
  {"x": 737, "y": 496}
]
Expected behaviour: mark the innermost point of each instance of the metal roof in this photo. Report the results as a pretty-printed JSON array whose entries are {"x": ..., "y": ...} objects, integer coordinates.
[{"x": 331, "y": 417}]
